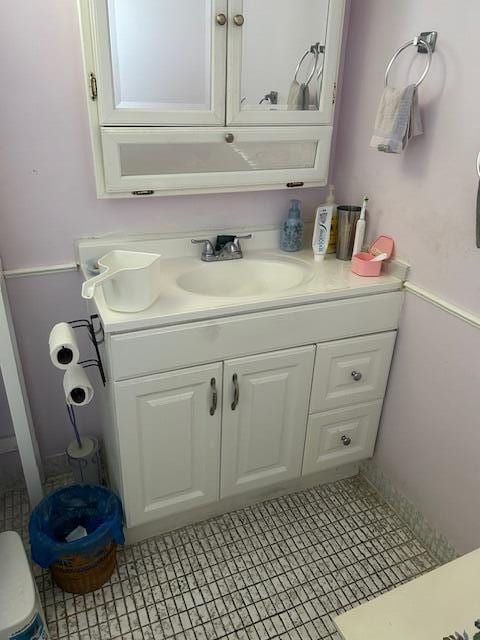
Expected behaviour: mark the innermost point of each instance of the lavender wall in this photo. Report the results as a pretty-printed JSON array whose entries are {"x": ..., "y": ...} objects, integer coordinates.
[
  {"x": 429, "y": 439},
  {"x": 48, "y": 194}
]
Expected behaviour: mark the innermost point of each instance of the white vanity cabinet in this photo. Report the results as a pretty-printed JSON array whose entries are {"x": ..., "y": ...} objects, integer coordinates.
[
  {"x": 205, "y": 434},
  {"x": 196, "y": 95},
  {"x": 215, "y": 400}
]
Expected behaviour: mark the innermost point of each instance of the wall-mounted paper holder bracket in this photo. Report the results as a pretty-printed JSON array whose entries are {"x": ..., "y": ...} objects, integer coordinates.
[{"x": 93, "y": 334}]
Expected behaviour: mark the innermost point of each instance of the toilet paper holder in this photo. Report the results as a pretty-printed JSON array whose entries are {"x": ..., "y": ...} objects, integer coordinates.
[{"x": 96, "y": 341}]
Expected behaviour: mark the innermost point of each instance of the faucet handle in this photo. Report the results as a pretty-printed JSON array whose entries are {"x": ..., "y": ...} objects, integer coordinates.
[
  {"x": 208, "y": 249},
  {"x": 236, "y": 242}
]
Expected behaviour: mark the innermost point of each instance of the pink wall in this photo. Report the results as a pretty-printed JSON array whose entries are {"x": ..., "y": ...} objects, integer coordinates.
[
  {"x": 48, "y": 195},
  {"x": 429, "y": 439}
]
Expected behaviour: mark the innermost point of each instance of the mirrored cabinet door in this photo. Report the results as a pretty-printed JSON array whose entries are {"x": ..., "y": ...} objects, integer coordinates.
[
  {"x": 283, "y": 60},
  {"x": 161, "y": 62}
]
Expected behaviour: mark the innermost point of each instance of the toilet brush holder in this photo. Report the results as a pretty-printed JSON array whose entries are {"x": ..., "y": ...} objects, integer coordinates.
[{"x": 85, "y": 460}]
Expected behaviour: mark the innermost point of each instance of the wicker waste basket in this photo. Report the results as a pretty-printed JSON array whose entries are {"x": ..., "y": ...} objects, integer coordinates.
[{"x": 83, "y": 574}]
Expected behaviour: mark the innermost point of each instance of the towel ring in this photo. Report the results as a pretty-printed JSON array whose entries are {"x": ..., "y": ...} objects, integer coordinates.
[
  {"x": 415, "y": 42},
  {"x": 315, "y": 50},
  {"x": 314, "y": 66}
]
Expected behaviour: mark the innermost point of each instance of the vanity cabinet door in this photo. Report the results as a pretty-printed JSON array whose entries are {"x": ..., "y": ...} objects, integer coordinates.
[
  {"x": 266, "y": 41},
  {"x": 160, "y": 62},
  {"x": 169, "y": 439},
  {"x": 264, "y": 419}
]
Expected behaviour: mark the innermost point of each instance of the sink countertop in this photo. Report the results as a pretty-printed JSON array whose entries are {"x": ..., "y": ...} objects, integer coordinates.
[{"x": 327, "y": 280}]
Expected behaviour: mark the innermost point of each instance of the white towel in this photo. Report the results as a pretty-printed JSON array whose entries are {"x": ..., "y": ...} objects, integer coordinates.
[
  {"x": 298, "y": 97},
  {"x": 398, "y": 120}
]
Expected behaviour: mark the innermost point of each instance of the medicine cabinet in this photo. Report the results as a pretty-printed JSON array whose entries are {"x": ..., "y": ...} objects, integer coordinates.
[{"x": 210, "y": 95}]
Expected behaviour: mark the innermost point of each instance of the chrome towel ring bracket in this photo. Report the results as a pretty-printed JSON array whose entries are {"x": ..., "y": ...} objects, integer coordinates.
[{"x": 425, "y": 43}]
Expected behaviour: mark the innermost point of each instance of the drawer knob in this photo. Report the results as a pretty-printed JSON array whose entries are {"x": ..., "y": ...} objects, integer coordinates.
[
  {"x": 346, "y": 441},
  {"x": 357, "y": 376},
  {"x": 230, "y": 138}
]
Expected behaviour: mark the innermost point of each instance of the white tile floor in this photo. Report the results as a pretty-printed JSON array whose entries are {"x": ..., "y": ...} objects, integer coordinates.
[{"x": 281, "y": 569}]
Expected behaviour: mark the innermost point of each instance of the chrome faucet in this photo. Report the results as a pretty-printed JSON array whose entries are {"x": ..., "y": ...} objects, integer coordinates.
[{"x": 230, "y": 251}]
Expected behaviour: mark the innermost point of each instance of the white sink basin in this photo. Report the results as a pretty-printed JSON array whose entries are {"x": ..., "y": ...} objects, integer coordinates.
[{"x": 245, "y": 277}]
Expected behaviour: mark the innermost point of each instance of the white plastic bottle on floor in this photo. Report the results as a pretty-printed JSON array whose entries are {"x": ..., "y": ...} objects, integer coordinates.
[{"x": 21, "y": 615}]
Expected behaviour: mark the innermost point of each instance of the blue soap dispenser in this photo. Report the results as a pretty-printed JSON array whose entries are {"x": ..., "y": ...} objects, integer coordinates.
[{"x": 292, "y": 229}]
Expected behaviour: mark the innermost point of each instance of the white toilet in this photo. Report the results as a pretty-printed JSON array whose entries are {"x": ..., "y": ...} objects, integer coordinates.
[{"x": 21, "y": 615}]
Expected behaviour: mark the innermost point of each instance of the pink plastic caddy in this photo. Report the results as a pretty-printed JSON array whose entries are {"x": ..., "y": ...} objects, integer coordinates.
[{"x": 362, "y": 263}]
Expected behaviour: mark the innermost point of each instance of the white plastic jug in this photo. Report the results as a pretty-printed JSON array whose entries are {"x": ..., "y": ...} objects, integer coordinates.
[{"x": 130, "y": 280}]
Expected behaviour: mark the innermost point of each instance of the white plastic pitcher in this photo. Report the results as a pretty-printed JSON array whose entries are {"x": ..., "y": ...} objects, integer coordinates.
[{"x": 130, "y": 280}]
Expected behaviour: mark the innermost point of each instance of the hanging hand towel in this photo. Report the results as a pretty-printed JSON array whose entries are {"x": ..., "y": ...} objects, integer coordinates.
[
  {"x": 398, "y": 120},
  {"x": 298, "y": 97},
  {"x": 306, "y": 97},
  {"x": 295, "y": 97}
]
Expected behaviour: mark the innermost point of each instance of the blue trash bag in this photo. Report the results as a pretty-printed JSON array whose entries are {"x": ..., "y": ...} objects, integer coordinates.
[{"x": 96, "y": 508}]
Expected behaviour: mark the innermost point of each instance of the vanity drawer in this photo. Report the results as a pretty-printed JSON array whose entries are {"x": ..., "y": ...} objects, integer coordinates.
[
  {"x": 341, "y": 437},
  {"x": 351, "y": 371},
  {"x": 140, "y": 353}
]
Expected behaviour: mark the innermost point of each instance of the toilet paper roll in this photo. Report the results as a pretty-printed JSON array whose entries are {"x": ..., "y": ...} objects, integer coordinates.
[
  {"x": 62, "y": 343},
  {"x": 78, "y": 388}
]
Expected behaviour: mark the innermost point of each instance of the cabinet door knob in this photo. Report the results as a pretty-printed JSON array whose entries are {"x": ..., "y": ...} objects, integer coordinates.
[
  {"x": 346, "y": 441},
  {"x": 221, "y": 19},
  {"x": 239, "y": 20},
  {"x": 230, "y": 138},
  {"x": 357, "y": 376},
  {"x": 236, "y": 392},
  {"x": 213, "y": 385}
]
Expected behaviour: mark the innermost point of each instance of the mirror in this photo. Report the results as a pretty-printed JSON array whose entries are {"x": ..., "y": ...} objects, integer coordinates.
[
  {"x": 283, "y": 54},
  {"x": 161, "y": 54}
]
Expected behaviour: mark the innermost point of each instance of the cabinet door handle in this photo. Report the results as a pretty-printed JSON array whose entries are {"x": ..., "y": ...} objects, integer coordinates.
[
  {"x": 346, "y": 441},
  {"x": 221, "y": 19},
  {"x": 236, "y": 392},
  {"x": 357, "y": 376},
  {"x": 239, "y": 20},
  {"x": 213, "y": 385}
]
